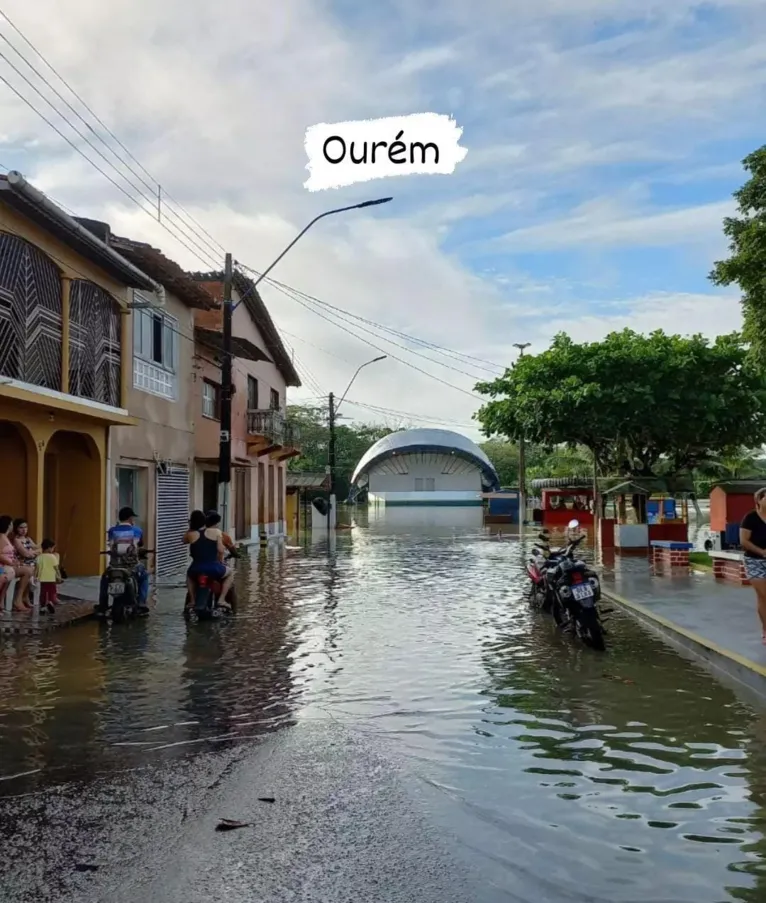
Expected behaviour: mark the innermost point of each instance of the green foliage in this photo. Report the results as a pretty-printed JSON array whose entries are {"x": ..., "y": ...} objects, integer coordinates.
[
  {"x": 639, "y": 403},
  {"x": 541, "y": 462},
  {"x": 746, "y": 267},
  {"x": 351, "y": 442}
]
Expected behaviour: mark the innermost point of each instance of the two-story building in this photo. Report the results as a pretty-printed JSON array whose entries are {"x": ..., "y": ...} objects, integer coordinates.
[
  {"x": 65, "y": 371},
  {"x": 262, "y": 438}
]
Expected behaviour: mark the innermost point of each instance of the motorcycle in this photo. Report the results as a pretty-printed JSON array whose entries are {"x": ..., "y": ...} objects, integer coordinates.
[
  {"x": 122, "y": 581},
  {"x": 207, "y": 598},
  {"x": 564, "y": 586}
]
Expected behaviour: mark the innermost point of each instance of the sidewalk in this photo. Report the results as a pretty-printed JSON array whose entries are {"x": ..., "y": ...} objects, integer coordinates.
[
  {"x": 715, "y": 621},
  {"x": 77, "y": 598}
]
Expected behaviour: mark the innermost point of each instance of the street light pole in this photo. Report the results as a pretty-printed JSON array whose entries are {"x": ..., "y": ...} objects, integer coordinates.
[
  {"x": 522, "y": 458},
  {"x": 224, "y": 443},
  {"x": 333, "y": 412}
]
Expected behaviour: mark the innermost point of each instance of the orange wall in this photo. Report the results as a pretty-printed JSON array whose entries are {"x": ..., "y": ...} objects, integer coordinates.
[{"x": 728, "y": 508}]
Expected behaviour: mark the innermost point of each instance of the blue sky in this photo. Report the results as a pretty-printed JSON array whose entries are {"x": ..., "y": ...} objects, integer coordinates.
[{"x": 604, "y": 143}]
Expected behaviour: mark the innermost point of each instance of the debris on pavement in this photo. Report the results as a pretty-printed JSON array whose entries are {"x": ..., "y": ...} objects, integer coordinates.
[{"x": 228, "y": 824}]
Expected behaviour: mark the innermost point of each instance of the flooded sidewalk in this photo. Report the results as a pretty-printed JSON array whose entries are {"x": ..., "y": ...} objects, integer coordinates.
[{"x": 714, "y": 620}]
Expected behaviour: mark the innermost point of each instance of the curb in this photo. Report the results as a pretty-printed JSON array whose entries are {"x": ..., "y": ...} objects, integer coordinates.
[{"x": 731, "y": 664}]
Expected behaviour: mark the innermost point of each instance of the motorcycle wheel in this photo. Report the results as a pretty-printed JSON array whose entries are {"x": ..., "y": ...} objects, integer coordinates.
[
  {"x": 591, "y": 630},
  {"x": 558, "y": 611},
  {"x": 124, "y": 605}
]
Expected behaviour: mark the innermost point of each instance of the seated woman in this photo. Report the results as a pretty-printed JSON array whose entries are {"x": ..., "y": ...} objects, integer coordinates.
[
  {"x": 26, "y": 548},
  {"x": 207, "y": 553},
  {"x": 10, "y": 565}
]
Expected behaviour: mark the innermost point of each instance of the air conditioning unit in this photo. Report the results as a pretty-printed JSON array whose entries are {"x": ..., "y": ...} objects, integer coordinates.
[{"x": 714, "y": 542}]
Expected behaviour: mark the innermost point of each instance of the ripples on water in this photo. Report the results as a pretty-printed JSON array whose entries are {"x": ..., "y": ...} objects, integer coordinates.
[{"x": 623, "y": 777}]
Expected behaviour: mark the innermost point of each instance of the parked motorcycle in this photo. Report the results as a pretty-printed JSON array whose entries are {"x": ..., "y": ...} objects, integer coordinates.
[
  {"x": 207, "y": 598},
  {"x": 122, "y": 581},
  {"x": 566, "y": 587}
]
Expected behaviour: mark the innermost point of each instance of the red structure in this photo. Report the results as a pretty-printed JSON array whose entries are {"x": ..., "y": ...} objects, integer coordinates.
[
  {"x": 563, "y": 499},
  {"x": 730, "y": 502}
]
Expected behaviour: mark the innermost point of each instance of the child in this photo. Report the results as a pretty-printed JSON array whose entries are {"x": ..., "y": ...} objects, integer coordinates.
[{"x": 48, "y": 575}]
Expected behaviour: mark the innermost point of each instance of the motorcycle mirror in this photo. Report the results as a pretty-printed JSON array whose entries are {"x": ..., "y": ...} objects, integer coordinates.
[{"x": 574, "y": 524}]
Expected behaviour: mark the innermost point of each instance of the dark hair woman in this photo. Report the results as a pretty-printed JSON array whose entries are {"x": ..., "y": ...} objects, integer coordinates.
[
  {"x": 752, "y": 538},
  {"x": 10, "y": 566}
]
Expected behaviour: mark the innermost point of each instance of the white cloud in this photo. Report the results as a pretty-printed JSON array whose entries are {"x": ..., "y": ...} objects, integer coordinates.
[
  {"x": 604, "y": 225},
  {"x": 215, "y": 101}
]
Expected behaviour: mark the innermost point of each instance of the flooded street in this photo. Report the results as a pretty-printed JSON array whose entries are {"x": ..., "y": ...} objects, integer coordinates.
[{"x": 545, "y": 770}]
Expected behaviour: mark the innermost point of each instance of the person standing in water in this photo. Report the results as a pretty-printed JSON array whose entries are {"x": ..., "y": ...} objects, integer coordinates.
[{"x": 752, "y": 538}]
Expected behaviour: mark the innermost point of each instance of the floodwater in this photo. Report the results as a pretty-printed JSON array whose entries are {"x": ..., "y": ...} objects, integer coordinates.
[{"x": 628, "y": 776}]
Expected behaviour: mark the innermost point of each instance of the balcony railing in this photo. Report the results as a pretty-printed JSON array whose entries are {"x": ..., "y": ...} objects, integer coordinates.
[{"x": 273, "y": 426}]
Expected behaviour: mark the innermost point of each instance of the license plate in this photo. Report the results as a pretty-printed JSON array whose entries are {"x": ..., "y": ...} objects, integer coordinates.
[
  {"x": 117, "y": 588},
  {"x": 582, "y": 591}
]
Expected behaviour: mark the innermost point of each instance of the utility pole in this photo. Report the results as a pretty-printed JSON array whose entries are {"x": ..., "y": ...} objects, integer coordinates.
[
  {"x": 224, "y": 444},
  {"x": 331, "y": 463},
  {"x": 522, "y": 459}
]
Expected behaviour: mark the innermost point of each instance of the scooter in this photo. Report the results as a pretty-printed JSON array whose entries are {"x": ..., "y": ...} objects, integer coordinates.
[
  {"x": 207, "y": 598},
  {"x": 122, "y": 582}
]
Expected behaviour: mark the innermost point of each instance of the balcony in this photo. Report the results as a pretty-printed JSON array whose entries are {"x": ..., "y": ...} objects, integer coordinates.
[{"x": 269, "y": 433}]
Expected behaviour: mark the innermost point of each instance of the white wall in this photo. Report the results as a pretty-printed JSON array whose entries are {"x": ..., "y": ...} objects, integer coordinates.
[{"x": 398, "y": 474}]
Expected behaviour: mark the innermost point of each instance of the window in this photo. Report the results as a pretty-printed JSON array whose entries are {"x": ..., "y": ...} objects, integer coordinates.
[
  {"x": 211, "y": 400},
  {"x": 274, "y": 400},
  {"x": 210, "y": 490},
  {"x": 130, "y": 489},
  {"x": 252, "y": 393},
  {"x": 430, "y": 484},
  {"x": 418, "y": 484},
  {"x": 155, "y": 352}
]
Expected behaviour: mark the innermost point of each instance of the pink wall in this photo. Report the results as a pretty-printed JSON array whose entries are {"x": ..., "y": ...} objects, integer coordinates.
[{"x": 207, "y": 430}]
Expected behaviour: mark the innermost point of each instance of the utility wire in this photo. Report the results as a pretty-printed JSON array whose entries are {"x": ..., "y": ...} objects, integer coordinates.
[
  {"x": 81, "y": 152},
  {"x": 385, "y": 351},
  {"x": 168, "y": 199}
]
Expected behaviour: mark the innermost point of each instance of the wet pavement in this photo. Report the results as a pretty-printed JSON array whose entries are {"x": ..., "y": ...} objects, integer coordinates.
[
  {"x": 720, "y": 612},
  {"x": 423, "y": 734}
]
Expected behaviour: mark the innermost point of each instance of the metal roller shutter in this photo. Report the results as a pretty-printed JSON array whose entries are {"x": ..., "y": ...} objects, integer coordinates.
[{"x": 172, "y": 556}]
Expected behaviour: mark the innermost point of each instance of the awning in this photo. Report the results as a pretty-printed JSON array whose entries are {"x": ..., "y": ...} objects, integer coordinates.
[
  {"x": 307, "y": 480},
  {"x": 241, "y": 348}
]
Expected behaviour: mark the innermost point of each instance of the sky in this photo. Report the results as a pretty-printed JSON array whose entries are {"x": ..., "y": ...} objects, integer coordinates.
[{"x": 604, "y": 142}]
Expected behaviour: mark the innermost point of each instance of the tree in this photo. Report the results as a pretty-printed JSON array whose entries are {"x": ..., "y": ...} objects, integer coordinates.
[
  {"x": 351, "y": 442},
  {"x": 558, "y": 462},
  {"x": 633, "y": 401},
  {"x": 747, "y": 246}
]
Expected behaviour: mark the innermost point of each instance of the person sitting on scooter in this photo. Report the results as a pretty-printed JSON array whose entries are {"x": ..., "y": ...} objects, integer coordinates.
[
  {"x": 125, "y": 530},
  {"x": 213, "y": 519},
  {"x": 207, "y": 552}
]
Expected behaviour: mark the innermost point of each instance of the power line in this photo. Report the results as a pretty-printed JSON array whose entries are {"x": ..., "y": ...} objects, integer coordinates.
[
  {"x": 393, "y": 412},
  {"x": 341, "y": 312},
  {"x": 385, "y": 350},
  {"x": 167, "y": 197},
  {"x": 440, "y": 349}
]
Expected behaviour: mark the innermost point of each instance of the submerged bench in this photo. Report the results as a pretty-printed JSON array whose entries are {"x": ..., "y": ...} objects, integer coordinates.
[
  {"x": 668, "y": 553},
  {"x": 729, "y": 566}
]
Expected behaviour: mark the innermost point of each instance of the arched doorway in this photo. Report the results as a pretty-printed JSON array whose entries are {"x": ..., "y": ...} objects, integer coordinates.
[
  {"x": 72, "y": 501},
  {"x": 18, "y": 465}
]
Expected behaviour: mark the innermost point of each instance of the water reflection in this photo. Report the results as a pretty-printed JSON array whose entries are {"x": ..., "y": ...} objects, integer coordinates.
[{"x": 623, "y": 777}]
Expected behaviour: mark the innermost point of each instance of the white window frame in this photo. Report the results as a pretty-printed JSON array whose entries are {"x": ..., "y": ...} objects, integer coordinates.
[
  {"x": 156, "y": 378},
  {"x": 216, "y": 390}
]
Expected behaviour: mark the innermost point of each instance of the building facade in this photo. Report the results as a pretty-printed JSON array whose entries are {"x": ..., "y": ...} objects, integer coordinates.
[
  {"x": 152, "y": 465},
  {"x": 65, "y": 371},
  {"x": 262, "y": 437},
  {"x": 425, "y": 467}
]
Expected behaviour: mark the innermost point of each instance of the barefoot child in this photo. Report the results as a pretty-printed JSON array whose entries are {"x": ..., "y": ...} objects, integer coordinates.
[{"x": 48, "y": 575}]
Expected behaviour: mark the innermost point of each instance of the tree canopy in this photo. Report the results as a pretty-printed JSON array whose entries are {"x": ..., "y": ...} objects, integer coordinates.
[
  {"x": 351, "y": 442},
  {"x": 746, "y": 265},
  {"x": 634, "y": 401},
  {"x": 540, "y": 462}
]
